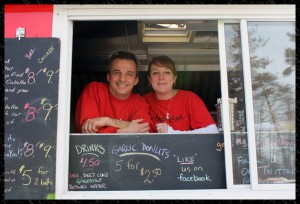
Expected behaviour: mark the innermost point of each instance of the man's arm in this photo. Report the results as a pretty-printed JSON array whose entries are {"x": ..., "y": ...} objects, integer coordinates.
[
  {"x": 135, "y": 126},
  {"x": 141, "y": 110},
  {"x": 92, "y": 125}
]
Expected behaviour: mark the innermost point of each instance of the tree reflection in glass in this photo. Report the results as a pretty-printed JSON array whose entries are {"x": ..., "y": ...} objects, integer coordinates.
[
  {"x": 272, "y": 59},
  {"x": 240, "y": 157}
]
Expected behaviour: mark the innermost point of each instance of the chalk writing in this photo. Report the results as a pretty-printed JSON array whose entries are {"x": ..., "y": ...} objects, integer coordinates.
[
  {"x": 136, "y": 166},
  {"x": 12, "y": 152},
  {"x": 30, "y": 148},
  {"x": 31, "y": 75},
  {"x": 10, "y": 122},
  {"x": 31, "y": 78},
  {"x": 49, "y": 51},
  {"x": 89, "y": 162},
  {"x": 90, "y": 180},
  {"x": 30, "y": 111},
  {"x": 33, "y": 111},
  {"x": 194, "y": 178},
  {"x": 131, "y": 162},
  {"x": 15, "y": 82},
  {"x": 164, "y": 152},
  {"x": 139, "y": 153},
  {"x": 6, "y": 68},
  {"x": 29, "y": 55},
  {"x": 278, "y": 171},
  {"x": 272, "y": 151},
  {"x": 186, "y": 160},
  {"x": 143, "y": 149},
  {"x": 123, "y": 148},
  {"x": 92, "y": 149},
  {"x": 38, "y": 181},
  {"x": 9, "y": 179},
  {"x": 15, "y": 74},
  {"x": 190, "y": 169},
  {"x": 49, "y": 73},
  {"x": 11, "y": 107}
]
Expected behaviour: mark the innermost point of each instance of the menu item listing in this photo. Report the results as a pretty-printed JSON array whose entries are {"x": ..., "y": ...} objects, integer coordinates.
[
  {"x": 144, "y": 162},
  {"x": 31, "y": 71}
]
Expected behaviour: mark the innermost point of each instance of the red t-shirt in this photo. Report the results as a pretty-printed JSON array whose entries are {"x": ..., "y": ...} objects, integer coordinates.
[
  {"x": 187, "y": 111},
  {"x": 97, "y": 101}
]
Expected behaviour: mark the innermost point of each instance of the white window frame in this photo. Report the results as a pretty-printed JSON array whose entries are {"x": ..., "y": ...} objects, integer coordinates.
[{"x": 63, "y": 17}]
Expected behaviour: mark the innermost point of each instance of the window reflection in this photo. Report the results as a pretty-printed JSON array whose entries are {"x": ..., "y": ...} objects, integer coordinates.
[
  {"x": 235, "y": 77},
  {"x": 272, "y": 59},
  {"x": 239, "y": 141}
]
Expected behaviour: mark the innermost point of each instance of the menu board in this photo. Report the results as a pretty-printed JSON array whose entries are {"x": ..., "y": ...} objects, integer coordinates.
[
  {"x": 146, "y": 162},
  {"x": 31, "y": 71}
]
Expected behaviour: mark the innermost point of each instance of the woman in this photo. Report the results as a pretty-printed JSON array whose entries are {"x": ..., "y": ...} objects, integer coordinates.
[{"x": 175, "y": 110}]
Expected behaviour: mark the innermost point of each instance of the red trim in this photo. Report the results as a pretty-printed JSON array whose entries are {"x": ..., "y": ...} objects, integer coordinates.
[
  {"x": 22, "y": 8},
  {"x": 35, "y": 18}
]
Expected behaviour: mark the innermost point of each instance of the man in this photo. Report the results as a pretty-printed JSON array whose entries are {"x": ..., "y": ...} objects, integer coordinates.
[{"x": 112, "y": 107}]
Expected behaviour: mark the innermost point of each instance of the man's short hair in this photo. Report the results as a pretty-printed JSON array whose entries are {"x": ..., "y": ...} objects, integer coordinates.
[{"x": 123, "y": 55}]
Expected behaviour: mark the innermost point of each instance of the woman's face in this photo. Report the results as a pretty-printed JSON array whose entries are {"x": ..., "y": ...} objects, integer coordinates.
[{"x": 162, "y": 79}]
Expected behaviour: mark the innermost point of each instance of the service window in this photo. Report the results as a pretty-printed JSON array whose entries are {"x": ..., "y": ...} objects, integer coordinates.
[{"x": 193, "y": 45}]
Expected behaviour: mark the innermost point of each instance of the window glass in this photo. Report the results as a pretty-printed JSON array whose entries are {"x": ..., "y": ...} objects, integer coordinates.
[
  {"x": 240, "y": 157},
  {"x": 272, "y": 59}
]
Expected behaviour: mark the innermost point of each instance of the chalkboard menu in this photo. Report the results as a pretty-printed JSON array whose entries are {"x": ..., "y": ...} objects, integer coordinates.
[
  {"x": 146, "y": 162},
  {"x": 31, "y": 73}
]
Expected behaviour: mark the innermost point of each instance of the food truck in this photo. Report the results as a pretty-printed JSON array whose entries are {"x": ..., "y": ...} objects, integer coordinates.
[{"x": 240, "y": 59}]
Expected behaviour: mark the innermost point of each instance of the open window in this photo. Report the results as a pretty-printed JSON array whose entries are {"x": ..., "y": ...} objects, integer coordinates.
[{"x": 193, "y": 45}]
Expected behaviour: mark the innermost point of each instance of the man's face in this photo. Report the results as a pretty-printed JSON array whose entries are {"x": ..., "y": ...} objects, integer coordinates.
[{"x": 122, "y": 78}]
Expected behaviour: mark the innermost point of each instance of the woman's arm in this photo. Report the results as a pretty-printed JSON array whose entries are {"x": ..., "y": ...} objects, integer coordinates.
[
  {"x": 208, "y": 129},
  {"x": 165, "y": 128}
]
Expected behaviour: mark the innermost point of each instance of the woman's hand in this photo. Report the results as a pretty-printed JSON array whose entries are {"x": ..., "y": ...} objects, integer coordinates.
[
  {"x": 135, "y": 126},
  {"x": 162, "y": 127}
]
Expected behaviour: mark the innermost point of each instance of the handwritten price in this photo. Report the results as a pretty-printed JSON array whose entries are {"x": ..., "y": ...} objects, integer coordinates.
[
  {"x": 30, "y": 148},
  {"x": 136, "y": 166},
  {"x": 32, "y": 111},
  {"x": 89, "y": 162},
  {"x": 32, "y": 76},
  {"x": 26, "y": 175}
]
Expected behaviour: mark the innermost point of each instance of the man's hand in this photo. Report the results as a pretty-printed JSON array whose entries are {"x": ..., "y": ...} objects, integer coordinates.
[
  {"x": 135, "y": 126},
  {"x": 92, "y": 125}
]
